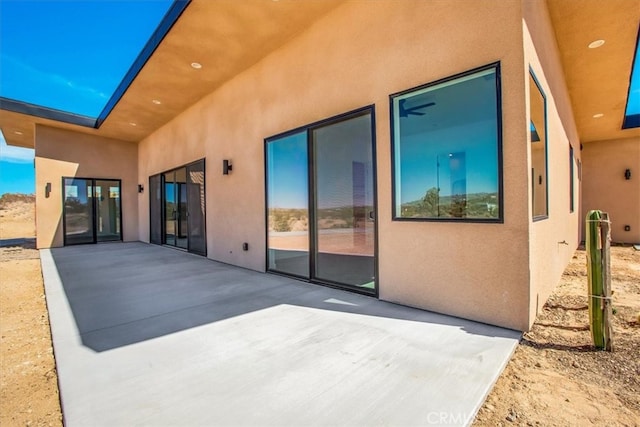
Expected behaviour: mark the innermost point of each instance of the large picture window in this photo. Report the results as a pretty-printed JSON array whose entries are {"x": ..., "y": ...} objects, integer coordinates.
[
  {"x": 447, "y": 149},
  {"x": 538, "y": 149}
]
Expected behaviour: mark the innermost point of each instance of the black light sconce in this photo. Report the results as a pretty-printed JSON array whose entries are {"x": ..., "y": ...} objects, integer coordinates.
[
  {"x": 47, "y": 189},
  {"x": 627, "y": 174},
  {"x": 226, "y": 167},
  {"x": 140, "y": 188}
]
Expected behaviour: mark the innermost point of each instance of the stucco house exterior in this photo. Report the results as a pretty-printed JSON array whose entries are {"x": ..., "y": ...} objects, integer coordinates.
[{"x": 436, "y": 154}]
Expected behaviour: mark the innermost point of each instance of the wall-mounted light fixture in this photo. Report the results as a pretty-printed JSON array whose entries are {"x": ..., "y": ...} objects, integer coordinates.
[
  {"x": 226, "y": 167},
  {"x": 140, "y": 188},
  {"x": 47, "y": 189},
  {"x": 627, "y": 174}
]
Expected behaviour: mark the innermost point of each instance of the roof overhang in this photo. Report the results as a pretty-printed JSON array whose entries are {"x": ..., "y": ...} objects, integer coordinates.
[
  {"x": 225, "y": 36},
  {"x": 598, "y": 79},
  {"x": 229, "y": 36}
]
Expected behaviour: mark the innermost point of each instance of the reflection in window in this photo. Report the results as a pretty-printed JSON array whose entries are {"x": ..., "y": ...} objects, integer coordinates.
[
  {"x": 538, "y": 149},
  {"x": 288, "y": 204},
  {"x": 446, "y": 142}
]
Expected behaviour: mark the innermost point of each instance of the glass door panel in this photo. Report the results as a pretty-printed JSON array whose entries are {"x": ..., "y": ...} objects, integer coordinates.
[
  {"x": 181, "y": 212},
  {"x": 196, "y": 208},
  {"x": 155, "y": 210},
  {"x": 78, "y": 211},
  {"x": 107, "y": 197},
  {"x": 344, "y": 205},
  {"x": 288, "y": 204},
  {"x": 170, "y": 208}
]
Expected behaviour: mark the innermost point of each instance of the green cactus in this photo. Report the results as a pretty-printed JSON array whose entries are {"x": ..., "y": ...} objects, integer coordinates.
[{"x": 598, "y": 301}]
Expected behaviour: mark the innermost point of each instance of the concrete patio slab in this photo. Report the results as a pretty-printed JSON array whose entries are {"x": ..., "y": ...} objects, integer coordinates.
[{"x": 146, "y": 335}]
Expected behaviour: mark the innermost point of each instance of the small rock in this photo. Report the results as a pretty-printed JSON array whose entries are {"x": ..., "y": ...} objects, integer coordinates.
[
  {"x": 566, "y": 400},
  {"x": 510, "y": 418},
  {"x": 538, "y": 365},
  {"x": 489, "y": 407},
  {"x": 575, "y": 364}
]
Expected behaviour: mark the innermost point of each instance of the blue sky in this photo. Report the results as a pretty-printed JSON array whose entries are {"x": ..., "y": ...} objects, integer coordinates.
[
  {"x": 633, "y": 103},
  {"x": 69, "y": 56},
  {"x": 72, "y": 55},
  {"x": 16, "y": 169},
  {"x": 287, "y": 160}
]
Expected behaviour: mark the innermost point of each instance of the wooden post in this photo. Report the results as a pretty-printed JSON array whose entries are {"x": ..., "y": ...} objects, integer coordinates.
[{"x": 606, "y": 271}]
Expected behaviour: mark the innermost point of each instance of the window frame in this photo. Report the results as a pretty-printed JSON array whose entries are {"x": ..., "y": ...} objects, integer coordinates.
[
  {"x": 94, "y": 209},
  {"x": 500, "y": 218},
  {"x": 571, "y": 180},
  {"x": 535, "y": 218},
  {"x": 307, "y": 130}
]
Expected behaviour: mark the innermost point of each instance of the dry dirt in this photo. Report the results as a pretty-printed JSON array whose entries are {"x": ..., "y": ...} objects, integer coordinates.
[
  {"x": 555, "y": 378},
  {"x": 28, "y": 380}
]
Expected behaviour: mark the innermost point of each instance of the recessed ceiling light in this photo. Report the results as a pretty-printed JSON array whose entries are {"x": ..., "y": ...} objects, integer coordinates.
[
  {"x": 196, "y": 65},
  {"x": 157, "y": 102},
  {"x": 596, "y": 43},
  {"x": 17, "y": 132},
  {"x": 133, "y": 124},
  {"x": 597, "y": 116}
]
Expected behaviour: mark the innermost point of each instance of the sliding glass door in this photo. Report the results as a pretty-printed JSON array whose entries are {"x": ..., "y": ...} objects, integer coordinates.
[
  {"x": 78, "y": 211},
  {"x": 344, "y": 214},
  {"x": 107, "y": 201},
  {"x": 177, "y": 208},
  {"x": 155, "y": 209},
  {"x": 92, "y": 211},
  {"x": 320, "y": 202},
  {"x": 195, "y": 208}
]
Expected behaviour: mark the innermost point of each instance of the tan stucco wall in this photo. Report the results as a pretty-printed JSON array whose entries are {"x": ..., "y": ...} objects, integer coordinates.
[
  {"x": 355, "y": 56},
  {"x": 605, "y": 187},
  {"x": 62, "y": 153},
  {"x": 552, "y": 241}
]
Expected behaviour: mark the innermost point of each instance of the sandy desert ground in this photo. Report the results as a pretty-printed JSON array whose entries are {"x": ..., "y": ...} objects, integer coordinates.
[
  {"x": 555, "y": 378},
  {"x": 28, "y": 380}
]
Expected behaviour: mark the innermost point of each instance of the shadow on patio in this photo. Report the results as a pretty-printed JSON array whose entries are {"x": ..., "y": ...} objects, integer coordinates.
[{"x": 125, "y": 293}]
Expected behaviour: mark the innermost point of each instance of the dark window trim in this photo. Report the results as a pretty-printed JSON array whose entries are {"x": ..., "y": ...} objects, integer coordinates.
[
  {"x": 307, "y": 129},
  {"x": 500, "y": 219},
  {"x": 632, "y": 121},
  {"x": 93, "y": 206},
  {"x": 167, "y": 22},
  {"x": 46, "y": 113},
  {"x": 546, "y": 148},
  {"x": 571, "y": 179},
  {"x": 321, "y": 123}
]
